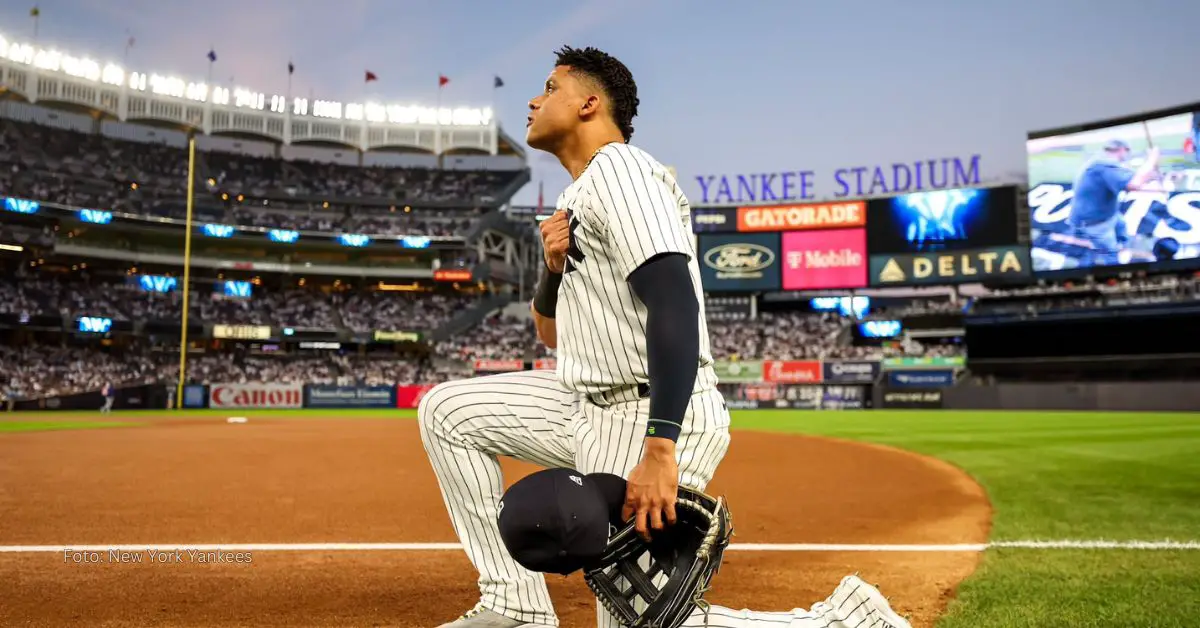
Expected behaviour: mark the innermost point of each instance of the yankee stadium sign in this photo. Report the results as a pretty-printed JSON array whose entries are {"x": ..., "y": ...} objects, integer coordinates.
[{"x": 857, "y": 181}]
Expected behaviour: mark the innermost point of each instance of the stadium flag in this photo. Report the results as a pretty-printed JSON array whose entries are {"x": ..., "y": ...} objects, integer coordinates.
[
  {"x": 34, "y": 13},
  {"x": 442, "y": 80},
  {"x": 371, "y": 77},
  {"x": 498, "y": 83},
  {"x": 291, "y": 68},
  {"x": 212, "y": 55}
]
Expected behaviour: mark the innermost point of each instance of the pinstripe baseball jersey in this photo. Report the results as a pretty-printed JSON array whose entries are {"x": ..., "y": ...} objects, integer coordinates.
[{"x": 623, "y": 210}]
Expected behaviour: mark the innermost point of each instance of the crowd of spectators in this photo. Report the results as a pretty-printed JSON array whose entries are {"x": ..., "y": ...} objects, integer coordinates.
[
  {"x": 497, "y": 337},
  {"x": 47, "y": 370},
  {"x": 411, "y": 311},
  {"x": 96, "y": 171}
]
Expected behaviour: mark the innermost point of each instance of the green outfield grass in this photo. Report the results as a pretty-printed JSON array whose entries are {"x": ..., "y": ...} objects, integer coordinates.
[{"x": 1049, "y": 475}]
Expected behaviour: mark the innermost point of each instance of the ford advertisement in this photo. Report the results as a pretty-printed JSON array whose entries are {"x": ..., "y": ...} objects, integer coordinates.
[{"x": 746, "y": 262}]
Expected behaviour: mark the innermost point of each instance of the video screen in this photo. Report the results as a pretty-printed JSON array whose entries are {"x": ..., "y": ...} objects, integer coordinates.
[
  {"x": 1118, "y": 193},
  {"x": 942, "y": 220}
]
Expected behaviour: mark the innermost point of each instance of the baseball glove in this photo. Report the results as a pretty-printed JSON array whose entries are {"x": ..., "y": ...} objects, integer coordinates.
[{"x": 668, "y": 576}]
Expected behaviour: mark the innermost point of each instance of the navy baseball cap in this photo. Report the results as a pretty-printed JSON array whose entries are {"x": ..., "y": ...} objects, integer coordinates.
[{"x": 557, "y": 520}]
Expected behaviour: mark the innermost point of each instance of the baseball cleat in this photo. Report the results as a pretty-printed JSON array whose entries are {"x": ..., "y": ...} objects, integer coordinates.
[
  {"x": 865, "y": 603},
  {"x": 480, "y": 617}
]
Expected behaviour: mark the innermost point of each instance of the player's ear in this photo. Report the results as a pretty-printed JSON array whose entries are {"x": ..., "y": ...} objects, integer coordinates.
[{"x": 590, "y": 106}]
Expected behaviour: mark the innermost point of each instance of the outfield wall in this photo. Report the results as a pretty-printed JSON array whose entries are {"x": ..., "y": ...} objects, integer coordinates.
[{"x": 1115, "y": 396}]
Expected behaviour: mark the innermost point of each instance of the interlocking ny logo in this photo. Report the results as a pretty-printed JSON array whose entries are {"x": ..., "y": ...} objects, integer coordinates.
[
  {"x": 575, "y": 256},
  {"x": 576, "y": 479},
  {"x": 936, "y": 216}
]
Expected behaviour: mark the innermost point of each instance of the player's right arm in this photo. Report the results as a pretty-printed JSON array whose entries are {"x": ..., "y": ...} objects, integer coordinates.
[{"x": 555, "y": 239}]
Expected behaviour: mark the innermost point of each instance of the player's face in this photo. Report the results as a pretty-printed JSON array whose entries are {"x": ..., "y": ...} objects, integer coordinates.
[{"x": 555, "y": 112}]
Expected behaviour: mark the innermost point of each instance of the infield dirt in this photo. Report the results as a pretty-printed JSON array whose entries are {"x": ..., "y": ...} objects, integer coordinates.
[{"x": 202, "y": 481}]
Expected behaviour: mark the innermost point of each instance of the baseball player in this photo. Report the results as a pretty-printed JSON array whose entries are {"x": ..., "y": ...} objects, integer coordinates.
[
  {"x": 634, "y": 393},
  {"x": 110, "y": 395},
  {"x": 1095, "y": 206}
]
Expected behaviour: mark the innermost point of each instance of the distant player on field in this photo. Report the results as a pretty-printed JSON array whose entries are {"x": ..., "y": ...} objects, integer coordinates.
[
  {"x": 635, "y": 391},
  {"x": 1096, "y": 208}
]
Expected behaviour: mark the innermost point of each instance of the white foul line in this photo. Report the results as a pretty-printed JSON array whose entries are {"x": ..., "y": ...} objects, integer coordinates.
[{"x": 736, "y": 547}]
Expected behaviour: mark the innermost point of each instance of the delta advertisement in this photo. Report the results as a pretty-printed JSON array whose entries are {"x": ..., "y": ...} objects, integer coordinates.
[
  {"x": 932, "y": 378},
  {"x": 256, "y": 396},
  {"x": 825, "y": 259},
  {"x": 950, "y": 267},
  {"x": 1116, "y": 192},
  {"x": 851, "y": 372},
  {"x": 346, "y": 397}
]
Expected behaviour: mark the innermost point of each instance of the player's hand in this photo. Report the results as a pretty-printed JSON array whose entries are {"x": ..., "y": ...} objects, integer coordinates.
[
  {"x": 653, "y": 487},
  {"x": 556, "y": 236}
]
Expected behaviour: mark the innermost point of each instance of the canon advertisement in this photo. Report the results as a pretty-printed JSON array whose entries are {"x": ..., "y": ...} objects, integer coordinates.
[
  {"x": 256, "y": 396},
  {"x": 851, "y": 372},
  {"x": 739, "y": 262},
  {"x": 835, "y": 258}
]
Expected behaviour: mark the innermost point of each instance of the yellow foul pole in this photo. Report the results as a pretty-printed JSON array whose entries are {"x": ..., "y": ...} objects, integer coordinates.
[{"x": 187, "y": 267}]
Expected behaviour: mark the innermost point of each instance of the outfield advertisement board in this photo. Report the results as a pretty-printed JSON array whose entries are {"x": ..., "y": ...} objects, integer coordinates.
[
  {"x": 851, "y": 371},
  {"x": 921, "y": 378},
  {"x": 736, "y": 371},
  {"x": 349, "y": 396},
  {"x": 256, "y": 396},
  {"x": 792, "y": 371},
  {"x": 409, "y": 396},
  {"x": 795, "y": 397},
  {"x": 913, "y": 398}
]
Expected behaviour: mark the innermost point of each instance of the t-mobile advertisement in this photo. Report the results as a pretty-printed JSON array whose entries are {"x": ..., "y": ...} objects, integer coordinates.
[{"x": 834, "y": 258}]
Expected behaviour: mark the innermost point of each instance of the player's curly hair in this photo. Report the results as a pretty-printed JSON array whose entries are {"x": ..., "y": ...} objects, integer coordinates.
[{"x": 613, "y": 77}]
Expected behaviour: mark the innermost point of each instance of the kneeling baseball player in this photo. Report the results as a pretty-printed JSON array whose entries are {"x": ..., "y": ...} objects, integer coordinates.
[{"x": 634, "y": 394}]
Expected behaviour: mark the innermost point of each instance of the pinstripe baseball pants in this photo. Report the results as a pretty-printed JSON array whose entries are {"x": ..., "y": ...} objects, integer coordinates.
[{"x": 466, "y": 425}]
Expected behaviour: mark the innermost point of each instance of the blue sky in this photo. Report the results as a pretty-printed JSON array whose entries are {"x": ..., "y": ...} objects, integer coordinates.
[{"x": 726, "y": 88}]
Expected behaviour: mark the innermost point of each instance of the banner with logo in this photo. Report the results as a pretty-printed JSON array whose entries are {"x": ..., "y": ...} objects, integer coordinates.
[
  {"x": 256, "y": 396},
  {"x": 409, "y": 396},
  {"x": 850, "y": 371},
  {"x": 825, "y": 259},
  {"x": 950, "y": 267},
  {"x": 954, "y": 361},
  {"x": 739, "y": 371},
  {"x": 922, "y": 378},
  {"x": 714, "y": 219},
  {"x": 792, "y": 371},
  {"x": 936, "y": 221},
  {"x": 241, "y": 332},
  {"x": 384, "y": 335},
  {"x": 321, "y": 396},
  {"x": 772, "y": 396},
  {"x": 499, "y": 366},
  {"x": 739, "y": 262},
  {"x": 916, "y": 399},
  {"x": 453, "y": 274},
  {"x": 802, "y": 216},
  {"x": 844, "y": 397},
  {"x": 194, "y": 396},
  {"x": 545, "y": 364}
]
